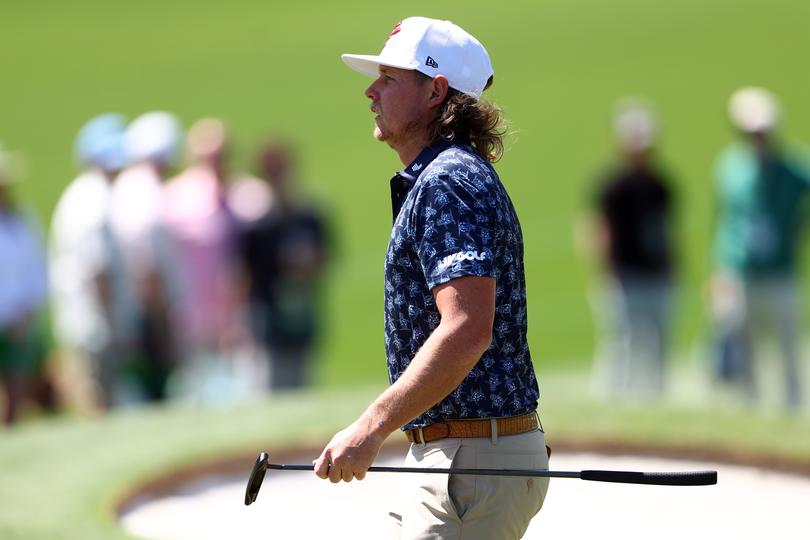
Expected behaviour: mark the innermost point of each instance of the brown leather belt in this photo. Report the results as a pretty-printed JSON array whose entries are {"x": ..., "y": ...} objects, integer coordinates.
[{"x": 477, "y": 428}]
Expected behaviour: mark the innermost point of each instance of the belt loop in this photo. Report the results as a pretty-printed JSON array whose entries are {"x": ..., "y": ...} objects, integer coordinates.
[
  {"x": 493, "y": 426},
  {"x": 539, "y": 423},
  {"x": 421, "y": 442}
]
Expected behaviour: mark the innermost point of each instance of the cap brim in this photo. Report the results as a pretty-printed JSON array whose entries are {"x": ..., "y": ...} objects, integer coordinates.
[{"x": 370, "y": 64}]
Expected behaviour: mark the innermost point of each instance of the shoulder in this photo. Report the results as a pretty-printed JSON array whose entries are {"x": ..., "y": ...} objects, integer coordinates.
[
  {"x": 733, "y": 165},
  {"x": 611, "y": 184},
  {"x": 732, "y": 155},
  {"x": 458, "y": 169},
  {"x": 86, "y": 193},
  {"x": 798, "y": 158},
  {"x": 463, "y": 157}
]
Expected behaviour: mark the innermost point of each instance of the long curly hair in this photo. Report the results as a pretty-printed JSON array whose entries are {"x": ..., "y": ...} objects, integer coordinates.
[{"x": 478, "y": 120}]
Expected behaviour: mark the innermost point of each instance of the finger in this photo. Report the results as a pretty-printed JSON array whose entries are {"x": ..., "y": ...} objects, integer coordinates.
[
  {"x": 321, "y": 466},
  {"x": 335, "y": 475},
  {"x": 348, "y": 474},
  {"x": 359, "y": 474}
]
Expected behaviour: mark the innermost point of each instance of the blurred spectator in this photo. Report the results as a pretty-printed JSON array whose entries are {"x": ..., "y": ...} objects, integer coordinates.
[
  {"x": 136, "y": 220},
  {"x": 93, "y": 302},
  {"x": 762, "y": 186},
  {"x": 204, "y": 234},
  {"x": 284, "y": 248},
  {"x": 631, "y": 237},
  {"x": 23, "y": 290}
]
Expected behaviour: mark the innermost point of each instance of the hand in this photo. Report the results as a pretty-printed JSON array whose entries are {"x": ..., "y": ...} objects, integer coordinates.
[{"x": 349, "y": 454}]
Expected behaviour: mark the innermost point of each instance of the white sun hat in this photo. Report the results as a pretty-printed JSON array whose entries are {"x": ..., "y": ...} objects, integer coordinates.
[
  {"x": 154, "y": 136},
  {"x": 432, "y": 47},
  {"x": 753, "y": 110}
]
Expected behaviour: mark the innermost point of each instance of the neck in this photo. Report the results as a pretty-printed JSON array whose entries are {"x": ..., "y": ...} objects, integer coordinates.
[{"x": 410, "y": 149}]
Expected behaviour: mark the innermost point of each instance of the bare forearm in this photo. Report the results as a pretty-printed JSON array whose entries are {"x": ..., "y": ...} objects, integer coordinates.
[
  {"x": 467, "y": 308},
  {"x": 438, "y": 368}
]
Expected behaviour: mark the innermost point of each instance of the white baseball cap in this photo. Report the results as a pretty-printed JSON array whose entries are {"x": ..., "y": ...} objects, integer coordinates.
[
  {"x": 432, "y": 47},
  {"x": 753, "y": 110},
  {"x": 635, "y": 124}
]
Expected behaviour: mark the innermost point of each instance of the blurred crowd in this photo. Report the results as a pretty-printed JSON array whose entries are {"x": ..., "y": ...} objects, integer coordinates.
[
  {"x": 168, "y": 277},
  {"x": 166, "y": 274},
  {"x": 761, "y": 187}
]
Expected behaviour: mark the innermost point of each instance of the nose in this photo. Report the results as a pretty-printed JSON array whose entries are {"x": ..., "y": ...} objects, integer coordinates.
[{"x": 371, "y": 92}]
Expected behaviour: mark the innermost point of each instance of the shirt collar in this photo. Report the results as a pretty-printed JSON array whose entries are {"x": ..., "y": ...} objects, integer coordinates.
[{"x": 404, "y": 180}]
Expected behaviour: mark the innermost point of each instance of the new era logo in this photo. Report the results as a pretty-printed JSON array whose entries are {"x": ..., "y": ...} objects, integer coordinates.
[{"x": 430, "y": 62}]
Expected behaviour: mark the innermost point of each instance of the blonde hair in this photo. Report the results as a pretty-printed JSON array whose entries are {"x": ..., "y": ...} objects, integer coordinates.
[{"x": 478, "y": 120}]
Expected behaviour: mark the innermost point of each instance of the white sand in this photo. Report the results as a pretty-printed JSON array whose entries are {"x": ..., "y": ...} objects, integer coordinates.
[{"x": 746, "y": 503}]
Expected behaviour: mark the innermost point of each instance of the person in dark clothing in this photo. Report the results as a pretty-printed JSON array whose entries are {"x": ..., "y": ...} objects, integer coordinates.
[
  {"x": 284, "y": 253},
  {"x": 634, "y": 207}
]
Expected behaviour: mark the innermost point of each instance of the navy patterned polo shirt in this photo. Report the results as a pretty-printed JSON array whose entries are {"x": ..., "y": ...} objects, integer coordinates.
[{"x": 453, "y": 218}]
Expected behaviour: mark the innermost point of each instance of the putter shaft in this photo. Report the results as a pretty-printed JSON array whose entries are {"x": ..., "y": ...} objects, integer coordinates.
[
  {"x": 689, "y": 478},
  {"x": 476, "y": 472}
]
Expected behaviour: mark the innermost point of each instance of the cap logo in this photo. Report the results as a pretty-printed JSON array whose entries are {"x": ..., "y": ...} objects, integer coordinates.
[
  {"x": 395, "y": 31},
  {"x": 430, "y": 62}
]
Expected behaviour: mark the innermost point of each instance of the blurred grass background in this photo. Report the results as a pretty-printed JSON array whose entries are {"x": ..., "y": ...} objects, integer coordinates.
[
  {"x": 62, "y": 480},
  {"x": 273, "y": 68}
]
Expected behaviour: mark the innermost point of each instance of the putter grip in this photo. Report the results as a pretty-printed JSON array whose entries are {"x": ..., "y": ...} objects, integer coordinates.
[{"x": 694, "y": 478}]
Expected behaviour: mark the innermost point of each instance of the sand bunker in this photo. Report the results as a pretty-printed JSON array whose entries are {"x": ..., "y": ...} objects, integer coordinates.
[{"x": 746, "y": 503}]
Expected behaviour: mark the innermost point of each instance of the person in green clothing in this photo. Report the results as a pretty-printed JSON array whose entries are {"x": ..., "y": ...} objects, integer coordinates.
[{"x": 762, "y": 186}]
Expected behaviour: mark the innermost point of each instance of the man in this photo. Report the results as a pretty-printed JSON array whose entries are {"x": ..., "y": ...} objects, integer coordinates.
[
  {"x": 462, "y": 381},
  {"x": 285, "y": 252},
  {"x": 762, "y": 187},
  {"x": 633, "y": 222},
  {"x": 23, "y": 293},
  {"x": 92, "y": 299},
  {"x": 148, "y": 257},
  {"x": 203, "y": 231}
]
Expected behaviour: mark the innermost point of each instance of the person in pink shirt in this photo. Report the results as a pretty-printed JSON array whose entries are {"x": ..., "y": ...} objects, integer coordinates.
[{"x": 203, "y": 229}]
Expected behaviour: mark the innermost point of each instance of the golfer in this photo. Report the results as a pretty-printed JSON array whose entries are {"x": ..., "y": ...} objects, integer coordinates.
[{"x": 462, "y": 382}]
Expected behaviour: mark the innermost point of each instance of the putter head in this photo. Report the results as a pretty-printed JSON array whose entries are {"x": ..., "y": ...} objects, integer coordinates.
[{"x": 256, "y": 478}]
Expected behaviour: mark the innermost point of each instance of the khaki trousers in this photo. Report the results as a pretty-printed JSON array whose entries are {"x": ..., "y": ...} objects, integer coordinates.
[{"x": 462, "y": 507}]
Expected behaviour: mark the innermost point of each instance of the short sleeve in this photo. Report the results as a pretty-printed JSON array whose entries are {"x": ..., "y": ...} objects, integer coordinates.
[{"x": 453, "y": 230}]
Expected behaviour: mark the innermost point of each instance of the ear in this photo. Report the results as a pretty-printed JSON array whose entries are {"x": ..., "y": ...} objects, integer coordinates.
[{"x": 439, "y": 88}]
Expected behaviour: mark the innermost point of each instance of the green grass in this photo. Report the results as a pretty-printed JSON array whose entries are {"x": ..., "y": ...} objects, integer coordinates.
[
  {"x": 62, "y": 478},
  {"x": 274, "y": 68}
]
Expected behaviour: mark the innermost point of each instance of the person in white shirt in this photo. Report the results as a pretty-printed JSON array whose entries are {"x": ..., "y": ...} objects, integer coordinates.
[{"x": 93, "y": 304}]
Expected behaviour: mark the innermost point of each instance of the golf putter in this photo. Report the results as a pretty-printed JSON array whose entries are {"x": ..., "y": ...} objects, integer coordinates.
[{"x": 688, "y": 478}]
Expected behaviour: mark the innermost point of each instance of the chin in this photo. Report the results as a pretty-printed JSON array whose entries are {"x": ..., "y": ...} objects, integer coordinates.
[{"x": 378, "y": 134}]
